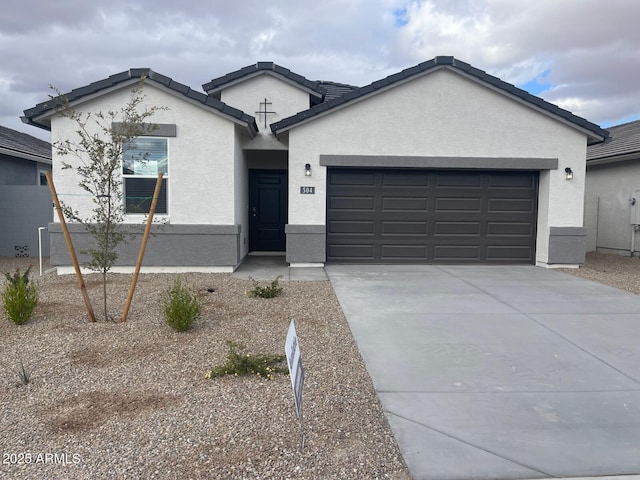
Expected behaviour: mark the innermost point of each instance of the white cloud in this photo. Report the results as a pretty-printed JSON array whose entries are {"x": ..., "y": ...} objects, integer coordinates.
[{"x": 590, "y": 49}]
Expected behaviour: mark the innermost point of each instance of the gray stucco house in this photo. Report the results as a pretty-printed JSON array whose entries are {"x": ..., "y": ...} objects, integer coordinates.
[
  {"x": 612, "y": 200},
  {"x": 25, "y": 201},
  {"x": 439, "y": 163}
]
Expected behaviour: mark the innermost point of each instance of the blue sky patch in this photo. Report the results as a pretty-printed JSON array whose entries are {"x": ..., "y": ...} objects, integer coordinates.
[
  {"x": 400, "y": 16},
  {"x": 538, "y": 84}
]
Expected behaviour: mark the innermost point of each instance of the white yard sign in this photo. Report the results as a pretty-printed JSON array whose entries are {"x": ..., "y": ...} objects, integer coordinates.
[{"x": 296, "y": 372}]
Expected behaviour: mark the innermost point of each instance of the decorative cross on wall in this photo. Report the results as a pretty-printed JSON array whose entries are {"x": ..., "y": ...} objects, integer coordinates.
[{"x": 264, "y": 109}]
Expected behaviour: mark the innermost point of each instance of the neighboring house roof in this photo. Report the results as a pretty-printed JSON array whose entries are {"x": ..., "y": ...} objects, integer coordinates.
[
  {"x": 623, "y": 144},
  {"x": 595, "y": 133},
  {"x": 333, "y": 90},
  {"x": 217, "y": 84},
  {"x": 34, "y": 115},
  {"x": 22, "y": 145}
]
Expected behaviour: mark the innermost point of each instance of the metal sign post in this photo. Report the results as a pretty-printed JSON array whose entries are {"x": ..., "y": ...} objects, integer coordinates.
[{"x": 296, "y": 373}]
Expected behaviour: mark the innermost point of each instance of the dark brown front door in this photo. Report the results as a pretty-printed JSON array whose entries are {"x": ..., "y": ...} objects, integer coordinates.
[{"x": 267, "y": 210}]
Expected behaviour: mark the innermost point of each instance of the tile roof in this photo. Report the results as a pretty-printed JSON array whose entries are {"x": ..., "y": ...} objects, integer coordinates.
[
  {"x": 22, "y": 143},
  {"x": 623, "y": 140},
  {"x": 114, "y": 80},
  {"x": 264, "y": 67},
  {"x": 333, "y": 90},
  {"x": 439, "y": 62}
]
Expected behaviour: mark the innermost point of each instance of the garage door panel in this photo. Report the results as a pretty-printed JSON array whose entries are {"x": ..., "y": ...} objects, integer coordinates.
[
  {"x": 352, "y": 203},
  {"x": 351, "y": 252},
  {"x": 457, "y": 253},
  {"x": 457, "y": 228},
  {"x": 399, "y": 203},
  {"x": 405, "y": 252},
  {"x": 404, "y": 180},
  {"x": 508, "y": 252},
  {"x": 422, "y": 216},
  {"x": 458, "y": 204},
  {"x": 509, "y": 180},
  {"x": 404, "y": 228},
  {"x": 510, "y": 205},
  {"x": 352, "y": 179},
  {"x": 351, "y": 227},
  {"x": 458, "y": 179},
  {"x": 509, "y": 229}
]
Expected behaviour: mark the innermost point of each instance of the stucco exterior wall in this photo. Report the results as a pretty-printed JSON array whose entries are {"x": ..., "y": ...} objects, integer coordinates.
[
  {"x": 442, "y": 114},
  {"x": 286, "y": 99},
  {"x": 241, "y": 201},
  {"x": 19, "y": 171},
  {"x": 608, "y": 210},
  {"x": 23, "y": 209},
  {"x": 201, "y": 171}
]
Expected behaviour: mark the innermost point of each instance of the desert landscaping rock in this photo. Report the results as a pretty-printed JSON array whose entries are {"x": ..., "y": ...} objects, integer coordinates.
[
  {"x": 130, "y": 400},
  {"x": 617, "y": 271}
]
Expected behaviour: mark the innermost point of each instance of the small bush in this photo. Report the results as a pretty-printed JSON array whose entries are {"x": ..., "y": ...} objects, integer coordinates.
[
  {"x": 19, "y": 297},
  {"x": 270, "y": 291},
  {"x": 181, "y": 306},
  {"x": 239, "y": 363}
]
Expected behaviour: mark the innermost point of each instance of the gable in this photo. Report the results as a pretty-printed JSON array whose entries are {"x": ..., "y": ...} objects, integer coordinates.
[
  {"x": 217, "y": 85},
  {"x": 593, "y": 132},
  {"x": 266, "y": 93},
  {"x": 440, "y": 114},
  {"x": 40, "y": 115}
]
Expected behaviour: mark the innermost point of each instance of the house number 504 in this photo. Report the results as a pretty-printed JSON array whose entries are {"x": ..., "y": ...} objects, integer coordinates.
[{"x": 308, "y": 190}]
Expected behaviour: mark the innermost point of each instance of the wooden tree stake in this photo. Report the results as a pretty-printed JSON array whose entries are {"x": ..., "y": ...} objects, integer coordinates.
[
  {"x": 143, "y": 246},
  {"x": 72, "y": 252}
]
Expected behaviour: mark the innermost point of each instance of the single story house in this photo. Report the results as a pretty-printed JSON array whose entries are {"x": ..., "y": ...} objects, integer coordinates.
[
  {"x": 612, "y": 200},
  {"x": 438, "y": 163},
  {"x": 25, "y": 201}
]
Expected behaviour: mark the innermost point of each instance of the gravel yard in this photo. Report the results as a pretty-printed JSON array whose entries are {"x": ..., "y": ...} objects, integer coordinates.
[
  {"x": 114, "y": 400},
  {"x": 613, "y": 270},
  {"x": 130, "y": 400}
]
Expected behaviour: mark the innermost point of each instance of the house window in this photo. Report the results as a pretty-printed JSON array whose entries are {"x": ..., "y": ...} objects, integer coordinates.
[
  {"x": 42, "y": 178},
  {"x": 142, "y": 160}
]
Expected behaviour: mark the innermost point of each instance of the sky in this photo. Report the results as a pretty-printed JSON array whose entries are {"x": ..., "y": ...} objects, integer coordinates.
[{"x": 582, "y": 55}]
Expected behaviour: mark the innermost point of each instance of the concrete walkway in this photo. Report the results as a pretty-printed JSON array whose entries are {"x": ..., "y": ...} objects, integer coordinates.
[
  {"x": 268, "y": 267},
  {"x": 499, "y": 372}
]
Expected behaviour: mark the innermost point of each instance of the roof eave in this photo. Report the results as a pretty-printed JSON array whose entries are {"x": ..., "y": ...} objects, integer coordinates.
[
  {"x": 29, "y": 121},
  {"x": 614, "y": 159},
  {"x": 25, "y": 155}
]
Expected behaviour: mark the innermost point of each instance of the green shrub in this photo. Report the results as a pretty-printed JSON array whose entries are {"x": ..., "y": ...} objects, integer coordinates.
[
  {"x": 270, "y": 291},
  {"x": 19, "y": 297},
  {"x": 181, "y": 306},
  {"x": 240, "y": 363}
]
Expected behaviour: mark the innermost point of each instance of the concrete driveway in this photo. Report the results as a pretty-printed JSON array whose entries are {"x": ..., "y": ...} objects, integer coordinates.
[{"x": 499, "y": 372}]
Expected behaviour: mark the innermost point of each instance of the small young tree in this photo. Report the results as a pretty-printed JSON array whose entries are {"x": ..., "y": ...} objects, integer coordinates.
[{"x": 101, "y": 139}]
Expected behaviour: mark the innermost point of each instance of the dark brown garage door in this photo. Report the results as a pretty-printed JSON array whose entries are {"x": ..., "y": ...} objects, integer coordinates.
[{"x": 425, "y": 216}]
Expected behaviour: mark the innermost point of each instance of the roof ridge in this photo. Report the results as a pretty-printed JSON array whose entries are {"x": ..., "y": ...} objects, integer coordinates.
[{"x": 250, "y": 70}]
